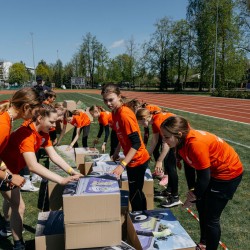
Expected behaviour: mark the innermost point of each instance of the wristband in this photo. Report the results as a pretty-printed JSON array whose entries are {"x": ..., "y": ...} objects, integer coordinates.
[
  {"x": 123, "y": 164},
  {"x": 70, "y": 170}
]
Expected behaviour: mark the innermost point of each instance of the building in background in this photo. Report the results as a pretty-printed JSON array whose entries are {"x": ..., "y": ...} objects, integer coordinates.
[{"x": 4, "y": 70}]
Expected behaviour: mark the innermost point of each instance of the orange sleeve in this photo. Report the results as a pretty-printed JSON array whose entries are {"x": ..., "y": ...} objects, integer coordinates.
[
  {"x": 76, "y": 121},
  {"x": 4, "y": 136},
  {"x": 27, "y": 144}
]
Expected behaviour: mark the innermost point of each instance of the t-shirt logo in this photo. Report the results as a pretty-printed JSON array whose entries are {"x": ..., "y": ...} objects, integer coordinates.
[
  {"x": 117, "y": 125},
  {"x": 43, "y": 140}
]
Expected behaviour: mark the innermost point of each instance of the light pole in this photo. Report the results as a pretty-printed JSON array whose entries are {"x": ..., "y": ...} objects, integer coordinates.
[
  {"x": 31, "y": 33},
  {"x": 215, "y": 46}
]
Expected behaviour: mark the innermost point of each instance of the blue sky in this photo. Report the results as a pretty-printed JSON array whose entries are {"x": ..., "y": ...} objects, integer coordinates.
[{"x": 58, "y": 26}]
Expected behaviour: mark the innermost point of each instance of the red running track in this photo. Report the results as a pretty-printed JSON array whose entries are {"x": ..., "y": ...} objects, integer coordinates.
[{"x": 227, "y": 108}]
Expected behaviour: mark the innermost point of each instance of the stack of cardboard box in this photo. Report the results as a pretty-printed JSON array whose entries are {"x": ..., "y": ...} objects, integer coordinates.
[{"x": 92, "y": 213}]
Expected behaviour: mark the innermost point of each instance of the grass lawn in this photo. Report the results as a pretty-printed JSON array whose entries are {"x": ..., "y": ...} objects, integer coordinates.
[{"x": 236, "y": 216}]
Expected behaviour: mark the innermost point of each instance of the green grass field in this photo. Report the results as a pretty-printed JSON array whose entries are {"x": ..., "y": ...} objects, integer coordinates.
[{"x": 236, "y": 216}]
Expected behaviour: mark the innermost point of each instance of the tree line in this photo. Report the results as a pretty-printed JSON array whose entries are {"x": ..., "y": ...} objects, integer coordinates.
[{"x": 210, "y": 47}]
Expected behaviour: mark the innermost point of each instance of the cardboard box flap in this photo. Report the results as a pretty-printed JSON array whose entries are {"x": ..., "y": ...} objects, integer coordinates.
[{"x": 157, "y": 229}]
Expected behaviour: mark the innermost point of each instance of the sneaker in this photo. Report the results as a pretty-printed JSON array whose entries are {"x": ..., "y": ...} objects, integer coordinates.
[
  {"x": 171, "y": 201},
  {"x": 162, "y": 194},
  {"x": 36, "y": 178},
  {"x": 5, "y": 232},
  {"x": 19, "y": 246},
  {"x": 164, "y": 181},
  {"x": 29, "y": 187}
]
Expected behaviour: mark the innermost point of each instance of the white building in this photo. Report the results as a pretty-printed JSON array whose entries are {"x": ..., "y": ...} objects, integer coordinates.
[{"x": 4, "y": 70}]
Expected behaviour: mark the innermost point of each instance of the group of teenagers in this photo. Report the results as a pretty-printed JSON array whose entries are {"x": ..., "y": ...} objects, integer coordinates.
[{"x": 213, "y": 169}]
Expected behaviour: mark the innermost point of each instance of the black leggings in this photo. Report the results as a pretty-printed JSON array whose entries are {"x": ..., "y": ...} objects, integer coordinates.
[
  {"x": 171, "y": 171},
  {"x": 210, "y": 208},
  {"x": 136, "y": 182},
  {"x": 113, "y": 142},
  {"x": 85, "y": 134}
]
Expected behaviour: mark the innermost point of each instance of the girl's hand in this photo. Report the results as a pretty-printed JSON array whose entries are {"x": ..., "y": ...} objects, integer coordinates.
[
  {"x": 95, "y": 141},
  {"x": 158, "y": 168},
  {"x": 69, "y": 148},
  {"x": 17, "y": 180},
  {"x": 68, "y": 179},
  {"x": 103, "y": 147},
  {"x": 191, "y": 199},
  {"x": 118, "y": 171}
]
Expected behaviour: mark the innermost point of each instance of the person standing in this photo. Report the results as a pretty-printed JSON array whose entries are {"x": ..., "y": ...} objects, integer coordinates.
[
  {"x": 21, "y": 106},
  {"x": 105, "y": 122},
  {"x": 130, "y": 140},
  {"x": 80, "y": 120},
  {"x": 167, "y": 155},
  {"x": 218, "y": 169}
]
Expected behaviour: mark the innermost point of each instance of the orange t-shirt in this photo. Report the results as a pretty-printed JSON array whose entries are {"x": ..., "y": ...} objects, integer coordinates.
[
  {"x": 24, "y": 139},
  {"x": 80, "y": 120},
  {"x": 125, "y": 123},
  {"x": 153, "y": 108},
  {"x": 105, "y": 118},
  {"x": 202, "y": 150},
  {"x": 158, "y": 119},
  {"x": 5, "y": 125}
]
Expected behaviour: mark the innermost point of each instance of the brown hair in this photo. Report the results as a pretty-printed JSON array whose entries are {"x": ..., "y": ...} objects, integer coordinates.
[
  {"x": 21, "y": 97},
  {"x": 143, "y": 113},
  {"x": 50, "y": 94},
  {"x": 44, "y": 111},
  {"x": 100, "y": 108},
  {"x": 132, "y": 104},
  {"x": 110, "y": 88},
  {"x": 176, "y": 124}
]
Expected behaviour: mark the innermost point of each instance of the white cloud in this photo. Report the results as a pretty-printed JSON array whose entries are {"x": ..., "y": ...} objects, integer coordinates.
[{"x": 117, "y": 44}]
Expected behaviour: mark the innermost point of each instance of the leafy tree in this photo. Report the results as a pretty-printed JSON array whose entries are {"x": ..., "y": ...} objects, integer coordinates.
[
  {"x": 157, "y": 51},
  {"x": 44, "y": 70},
  {"x": 18, "y": 73},
  {"x": 90, "y": 52}
]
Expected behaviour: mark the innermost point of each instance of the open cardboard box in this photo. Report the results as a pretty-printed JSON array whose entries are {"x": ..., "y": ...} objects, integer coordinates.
[
  {"x": 48, "y": 242},
  {"x": 142, "y": 224}
]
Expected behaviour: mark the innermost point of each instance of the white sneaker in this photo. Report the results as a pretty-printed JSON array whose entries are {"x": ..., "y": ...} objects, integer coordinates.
[
  {"x": 36, "y": 178},
  {"x": 29, "y": 187}
]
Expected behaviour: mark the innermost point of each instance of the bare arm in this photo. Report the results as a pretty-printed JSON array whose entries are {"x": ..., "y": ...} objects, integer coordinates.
[
  {"x": 76, "y": 137},
  {"x": 62, "y": 134},
  {"x": 35, "y": 167},
  {"x": 59, "y": 161},
  {"x": 164, "y": 151},
  {"x": 153, "y": 143}
]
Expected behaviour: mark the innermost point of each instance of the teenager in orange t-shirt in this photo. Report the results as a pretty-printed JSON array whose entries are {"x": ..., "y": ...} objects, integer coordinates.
[
  {"x": 20, "y": 152},
  {"x": 218, "y": 169},
  {"x": 167, "y": 155},
  {"x": 81, "y": 122},
  {"x": 135, "y": 104},
  {"x": 20, "y": 106},
  {"x": 129, "y": 136},
  {"x": 105, "y": 122}
]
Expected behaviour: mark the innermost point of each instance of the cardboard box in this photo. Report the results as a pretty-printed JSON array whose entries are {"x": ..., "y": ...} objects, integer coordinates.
[
  {"x": 69, "y": 105},
  {"x": 148, "y": 187},
  {"x": 92, "y": 234},
  {"x": 49, "y": 242},
  {"x": 95, "y": 199},
  {"x": 141, "y": 226},
  {"x": 55, "y": 192}
]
